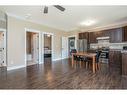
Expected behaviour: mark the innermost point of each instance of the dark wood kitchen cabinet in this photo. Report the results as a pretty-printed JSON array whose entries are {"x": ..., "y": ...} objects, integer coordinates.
[
  {"x": 84, "y": 35},
  {"x": 106, "y": 33},
  {"x": 124, "y": 34},
  {"x": 124, "y": 64},
  {"x": 92, "y": 37},
  {"x": 115, "y": 35},
  {"x": 81, "y": 35},
  {"x": 99, "y": 34},
  {"x": 115, "y": 58}
]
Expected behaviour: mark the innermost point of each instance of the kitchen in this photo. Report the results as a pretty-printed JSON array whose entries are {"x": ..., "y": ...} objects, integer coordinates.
[{"x": 115, "y": 40}]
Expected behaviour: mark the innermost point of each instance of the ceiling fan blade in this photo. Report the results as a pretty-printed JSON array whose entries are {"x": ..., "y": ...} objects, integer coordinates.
[
  {"x": 45, "y": 9},
  {"x": 59, "y": 7}
]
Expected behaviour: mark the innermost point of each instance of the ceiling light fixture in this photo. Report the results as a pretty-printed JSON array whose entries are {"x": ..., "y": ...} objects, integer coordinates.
[{"x": 87, "y": 23}]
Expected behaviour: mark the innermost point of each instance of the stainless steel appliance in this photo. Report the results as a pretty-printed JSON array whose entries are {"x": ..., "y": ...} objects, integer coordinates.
[
  {"x": 82, "y": 45},
  {"x": 104, "y": 56},
  {"x": 103, "y": 44}
]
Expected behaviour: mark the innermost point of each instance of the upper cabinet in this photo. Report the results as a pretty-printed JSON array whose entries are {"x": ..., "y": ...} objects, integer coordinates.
[
  {"x": 117, "y": 35},
  {"x": 92, "y": 38},
  {"x": 84, "y": 35},
  {"x": 125, "y": 34}
]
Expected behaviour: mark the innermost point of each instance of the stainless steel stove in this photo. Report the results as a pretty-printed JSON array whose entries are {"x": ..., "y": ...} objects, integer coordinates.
[{"x": 104, "y": 56}]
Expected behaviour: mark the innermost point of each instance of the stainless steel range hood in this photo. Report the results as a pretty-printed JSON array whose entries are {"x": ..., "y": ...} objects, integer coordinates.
[{"x": 103, "y": 38}]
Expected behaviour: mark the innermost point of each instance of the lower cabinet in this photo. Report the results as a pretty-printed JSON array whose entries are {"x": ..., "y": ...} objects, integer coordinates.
[
  {"x": 115, "y": 58},
  {"x": 124, "y": 64}
]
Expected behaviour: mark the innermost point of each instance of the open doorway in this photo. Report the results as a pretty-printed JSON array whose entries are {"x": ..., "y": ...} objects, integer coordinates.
[
  {"x": 47, "y": 48},
  {"x": 71, "y": 44},
  {"x": 3, "y": 49},
  {"x": 32, "y": 48}
]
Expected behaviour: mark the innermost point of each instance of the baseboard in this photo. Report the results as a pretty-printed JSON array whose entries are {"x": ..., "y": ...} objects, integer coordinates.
[
  {"x": 56, "y": 59},
  {"x": 65, "y": 58},
  {"x": 41, "y": 62},
  {"x": 60, "y": 59},
  {"x": 15, "y": 67}
]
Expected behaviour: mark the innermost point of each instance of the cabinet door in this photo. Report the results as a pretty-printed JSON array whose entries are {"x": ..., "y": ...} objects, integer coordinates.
[
  {"x": 80, "y": 35},
  {"x": 98, "y": 34},
  {"x": 115, "y": 58},
  {"x": 111, "y": 53},
  {"x": 124, "y": 33},
  {"x": 124, "y": 64},
  {"x": 84, "y": 35},
  {"x": 116, "y": 35},
  {"x": 92, "y": 37},
  {"x": 112, "y": 33},
  {"x": 106, "y": 33}
]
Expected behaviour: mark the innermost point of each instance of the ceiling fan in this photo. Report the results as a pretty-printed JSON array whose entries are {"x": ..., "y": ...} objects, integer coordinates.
[{"x": 56, "y": 6}]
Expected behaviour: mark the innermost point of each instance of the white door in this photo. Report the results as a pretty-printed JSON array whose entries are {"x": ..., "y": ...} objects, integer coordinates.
[
  {"x": 36, "y": 48},
  {"x": 64, "y": 47}
]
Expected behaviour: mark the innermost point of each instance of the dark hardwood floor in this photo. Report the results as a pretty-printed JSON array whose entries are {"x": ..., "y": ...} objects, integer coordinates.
[{"x": 60, "y": 75}]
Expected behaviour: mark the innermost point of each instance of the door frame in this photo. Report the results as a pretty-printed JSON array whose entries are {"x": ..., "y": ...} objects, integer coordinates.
[
  {"x": 5, "y": 33},
  {"x": 35, "y": 31},
  {"x": 76, "y": 38},
  {"x": 52, "y": 46},
  {"x": 67, "y": 48}
]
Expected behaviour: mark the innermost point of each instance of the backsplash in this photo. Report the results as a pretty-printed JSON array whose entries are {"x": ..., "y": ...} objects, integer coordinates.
[{"x": 110, "y": 45}]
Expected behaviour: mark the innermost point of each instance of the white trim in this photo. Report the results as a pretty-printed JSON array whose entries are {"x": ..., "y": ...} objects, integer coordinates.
[
  {"x": 62, "y": 47},
  {"x": 15, "y": 16},
  {"x": 15, "y": 67},
  {"x": 52, "y": 44},
  {"x": 5, "y": 45},
  {"x": 36, "y": 31},
  {"x": 76, "y": 38},
  {"x": 57, "y": 59}
]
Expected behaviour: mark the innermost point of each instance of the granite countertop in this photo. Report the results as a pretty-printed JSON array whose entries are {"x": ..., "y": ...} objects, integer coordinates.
[
  {"x": 121, "y": 50},
  {"x": 116, "y": 49}
]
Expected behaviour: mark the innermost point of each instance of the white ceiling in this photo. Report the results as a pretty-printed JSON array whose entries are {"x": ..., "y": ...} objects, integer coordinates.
[{"x": 71, "y": 18}]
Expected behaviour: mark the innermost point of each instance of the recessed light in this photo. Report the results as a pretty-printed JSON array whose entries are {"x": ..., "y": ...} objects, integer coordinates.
[{"x": 87, "y": 23}]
